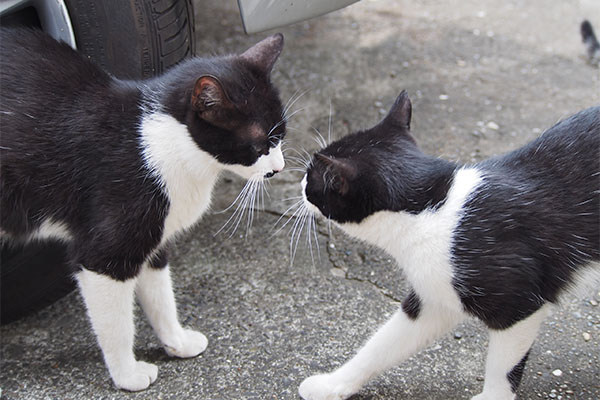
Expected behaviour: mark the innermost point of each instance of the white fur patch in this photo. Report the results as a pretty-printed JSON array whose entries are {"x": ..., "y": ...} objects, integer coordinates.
[
  {"x": 110, "y": 307},
  {"x": 272, "y": 162},
  {"x": 421, "y": 243},
  {"x": 50, "y": 229},
  {"x": 506, "y": 349},
  {"x": 155, "y": 293},
  {"x": 586, "y": 279},
  {"x": 393, "y": 343},
  {"x": 187, "y": 173}
]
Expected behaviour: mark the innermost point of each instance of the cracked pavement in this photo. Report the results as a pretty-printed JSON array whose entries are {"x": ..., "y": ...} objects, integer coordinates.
[{"x": 484, "y": 78}]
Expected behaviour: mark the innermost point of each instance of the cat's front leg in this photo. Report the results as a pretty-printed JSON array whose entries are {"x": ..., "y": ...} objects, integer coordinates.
[
  {"x": 155, "y": 293},
  {"x": 109, "y": 304},
  {"x": 508, "y": 350},
  {"x": 394, "y": 342}
]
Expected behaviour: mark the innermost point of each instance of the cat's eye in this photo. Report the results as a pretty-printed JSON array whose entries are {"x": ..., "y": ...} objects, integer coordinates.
[{"x": 260, "y": 150}]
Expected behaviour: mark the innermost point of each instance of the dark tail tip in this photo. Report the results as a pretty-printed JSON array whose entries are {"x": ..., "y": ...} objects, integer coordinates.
[{"x": 587, "y": 32}]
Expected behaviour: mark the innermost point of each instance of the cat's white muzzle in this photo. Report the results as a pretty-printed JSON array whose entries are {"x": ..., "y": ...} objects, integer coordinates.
[{"x": 265, "y": 166}]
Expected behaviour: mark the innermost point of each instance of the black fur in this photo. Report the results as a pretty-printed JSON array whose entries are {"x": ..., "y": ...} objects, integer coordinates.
[
  {"x": 515, "y": 374},
  {"x": 532, "y": 224},
  {"x": 411, "y": 305},
  {"x": 69, "y": 143}
]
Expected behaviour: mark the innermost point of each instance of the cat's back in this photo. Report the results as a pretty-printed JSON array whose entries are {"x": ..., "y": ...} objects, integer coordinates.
[
  {"x": 558, "y": 168},
  {"x": 567, "y": 153},
  {"x": 46, "y": 85},
  {"x": 34, "y": 67},
  {"x": 541, "y": 201},
  {"x": 54, "y": 101}
]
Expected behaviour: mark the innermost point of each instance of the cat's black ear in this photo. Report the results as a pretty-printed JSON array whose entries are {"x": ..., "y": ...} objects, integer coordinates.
[
  {"x": 208, "y": 94},
  {"x": 264, "y": 53},
  {"x": 401, "y": 112},
  {"x": 340, "y": 173}
]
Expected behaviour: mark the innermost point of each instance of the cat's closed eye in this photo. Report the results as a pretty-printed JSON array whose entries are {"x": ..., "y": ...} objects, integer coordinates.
[{"x": 260, "y": 149}]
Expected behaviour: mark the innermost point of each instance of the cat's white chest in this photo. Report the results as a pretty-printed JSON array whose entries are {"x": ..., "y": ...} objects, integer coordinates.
[
  {"x": 186, "y": 173},
  {"x": 422, "y": 243},
  {"x": 189, "y": 200}
]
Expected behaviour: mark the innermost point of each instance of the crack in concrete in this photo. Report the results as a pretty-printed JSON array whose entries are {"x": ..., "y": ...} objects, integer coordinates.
[
  {"x": 381, "y": 289},
  {"x": 332, "y": 257},
  {"x": 346, "y": 275}
]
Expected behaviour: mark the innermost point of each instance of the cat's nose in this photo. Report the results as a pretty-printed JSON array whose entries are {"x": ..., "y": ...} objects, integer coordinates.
[{"x": 270, "y": 174}]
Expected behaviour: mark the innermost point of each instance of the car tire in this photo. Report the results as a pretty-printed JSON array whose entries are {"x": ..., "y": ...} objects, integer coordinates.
[
  {"x": 131, "y": 39},
  {"x": 32, "y": 276}
]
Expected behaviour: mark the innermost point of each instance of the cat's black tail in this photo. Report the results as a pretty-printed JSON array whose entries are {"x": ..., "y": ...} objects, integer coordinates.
[{"x": 591, "y": 42}]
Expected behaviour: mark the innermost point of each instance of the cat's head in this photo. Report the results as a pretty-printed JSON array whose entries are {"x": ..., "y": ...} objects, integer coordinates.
[
  {"x": 365, "y": 172},
  {"x": 233, "y": 111}
]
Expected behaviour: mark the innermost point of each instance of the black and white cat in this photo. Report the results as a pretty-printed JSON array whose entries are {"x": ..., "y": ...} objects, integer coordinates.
[
  {"x": 117, "y": 169},
  {"x": 499, "y": 240}
]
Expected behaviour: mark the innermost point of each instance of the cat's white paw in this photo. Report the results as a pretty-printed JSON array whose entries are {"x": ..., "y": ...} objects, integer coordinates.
[
  {"x": 187, "y": 343},
  {"x": 324, "y": 387},
  {"x": 137, "y": 378}
]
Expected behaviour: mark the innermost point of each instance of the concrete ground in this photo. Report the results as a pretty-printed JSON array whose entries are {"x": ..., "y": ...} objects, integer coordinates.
[{"x": 485, "y": 77}]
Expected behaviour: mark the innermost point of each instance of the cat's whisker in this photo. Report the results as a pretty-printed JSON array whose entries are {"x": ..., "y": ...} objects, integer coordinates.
[
  {"x": 316, "y": 235},
  {"x": 277, "y": 125},
  {"x": 255, "y": 196},
  {"x": 234, "y": 218},
  {"x": 298, "y": 208},
  {"x": 300, "y": 213},
  {"x": 285, "y": 117},
  {"x": 321, "y": 140},
  {"x": 234, "y": 202},
  {"x": 290, "y": 198},
  {"x": 306, "y": 156},
  {"x": 302, "y": 158},
  {"x": 299, "y": 160},
  {"x": 296, "y": 232},
  {"x": 329, "y": 125},
  {"x": 262, "y": 193},
  {"x": 289, "y": 117},
  {"x": 318, "y": 142},
  {"x": 289, "y": 105},
  {"x": 297, "y": 95},
  {"x": 258, "y": 198},
  {"x": 273, "y": 142},
  {"x": 296, "y": 166},
  {"x": 306, "y": 153},
  {"x": 239, "y": 211},
  {"x": 249, "y": 206},
  {"x": 309, "y": 237},
  {"x": 294, "y": 169},
  {"x": 245, "y": 202},
  {"x": 293, "y": 128}
]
